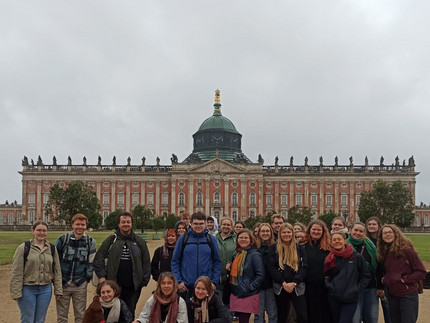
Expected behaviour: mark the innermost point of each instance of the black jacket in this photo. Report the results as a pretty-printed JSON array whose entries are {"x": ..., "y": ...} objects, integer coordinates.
[
  {"x": 287, "y": 274},
  {"x": 264, "y": 250},
  {"x": 218, "y": 313},
  {"x": 159, "y": 264},
  {"x": 347, "y": 279},
  {"x": 253, "y": 275},
  {"x": 125, "y": 315},
  {"x": 315, "y": 260}
]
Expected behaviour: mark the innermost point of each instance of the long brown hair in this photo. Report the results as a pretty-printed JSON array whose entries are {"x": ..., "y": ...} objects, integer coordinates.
[
  {"x": 271, "y": 240},
  {"x": 325, "y": 238},
  {"x": 168, "y": 274},
  {"x": 287, "y": 251},
  {"x": 399, "y": 244}
]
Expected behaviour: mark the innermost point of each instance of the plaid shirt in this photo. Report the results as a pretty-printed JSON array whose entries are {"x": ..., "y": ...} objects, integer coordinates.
[{"x": 76, "y": 258}]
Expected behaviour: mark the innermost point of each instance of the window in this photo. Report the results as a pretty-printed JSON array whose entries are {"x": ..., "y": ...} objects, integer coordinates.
[
  {"x": 120, "y": 184},
  {"x": 313, "y": 200},
  {"x": 417, "y": 220},
  {"x": 357, "y": 200},
  {"x": 284, "y": 214},
  {"x": 31, "y": 198},
  {"x": 135, "y": 184},
  {"x": 150, "y": 199},
  {"x": 46, "y": 218},
  {"x": 426, "y": 220},
  {"x": 165, "y": 199},
  {"x": 252, "y": 199},
  {"x": 328, "y": 200},
  {"x": 19, "y": 218},
  {"x": 299, "y": 199},
  {"x": 165, "y": 185},
  {"x": 234, "y": 199},
  {"x": 216, "y": 197},
  {"x": 199, "y": 199},
  {"x": 268, "y": 199},
  {"x": 105, "y": 199},
  {"x": 181, "y": 198},
  {"x": 252, "y": 214},
  {"x": 10, "y": 221},
  {"x": 2, "y": 218},
  {"x": 135, "y": 199},
  {"x": 344, "y": 200},
  {"x": 150, "y": 184},
  {"x": 120, "y": 199},
  {"x": 105, "y": 215},
  {"x": 45, "y": 199},
  {"x": 31, "y": 217},
  {"x": 234, "y": 216},
  {"x": 216, "y": 214},
  {"x": 284, "y": 199}
]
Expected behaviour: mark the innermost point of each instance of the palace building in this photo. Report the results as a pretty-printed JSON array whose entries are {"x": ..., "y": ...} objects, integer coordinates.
[{"x": 217, "y": 178}]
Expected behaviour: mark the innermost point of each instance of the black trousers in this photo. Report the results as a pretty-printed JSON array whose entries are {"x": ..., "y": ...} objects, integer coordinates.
[
  {"x": 318, "y": 307},
  {"x": 130, "y": 297},
  {"x": 283, "y": 301}
]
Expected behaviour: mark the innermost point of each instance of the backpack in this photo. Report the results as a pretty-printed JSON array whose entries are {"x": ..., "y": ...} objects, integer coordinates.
[
  {"x": 95, "y": 279},
  {"x": 66, "y": 244},
  {"x": 27, "y": 246},
  {"x": 208, "y": 242}
]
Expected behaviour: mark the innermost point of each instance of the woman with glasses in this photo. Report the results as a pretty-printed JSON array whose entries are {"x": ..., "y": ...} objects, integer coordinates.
[{"x": 403, "y": 270}]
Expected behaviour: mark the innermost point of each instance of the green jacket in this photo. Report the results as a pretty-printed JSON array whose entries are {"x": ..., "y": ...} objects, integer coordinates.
[
  {"x": 41, "y": 268},
  {"x": 112, "y": 249},
  {"x": 226, "y": 247}
]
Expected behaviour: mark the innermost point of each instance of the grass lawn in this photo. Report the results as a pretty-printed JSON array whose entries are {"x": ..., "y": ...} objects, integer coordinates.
[{"x": 10, "y": 240}]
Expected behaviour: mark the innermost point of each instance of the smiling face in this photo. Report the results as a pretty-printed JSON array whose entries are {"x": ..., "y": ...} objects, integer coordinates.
[
  {"x": 337, "y": 225},
  {"x": 338, "y": 242},
  {"x": 244, "y": 240},
  {"x": 372, "y": 226},
  {"x": 264, "y": 233},
  {"x": 238, "y": 227},
  {"x": 210, "y": 224},
  {"x": 286, "y": 235},
  {"x": 200, "y": 291},
  {"x": 181, "y": 229},
  {"x": 357, "y": 231},
  {"x": 388, "y": 235},
  {"x": 167, "y": 286},
  {"x": 198, "y": 226},
  {"x": 107, "y": 293},
  {"x": 171, "y": 239},
  {"x": 40, "y": 232},
  {"x": 297, "y": 228},
  {"x": 125, "y": 225},
  {"x": 226, "y": 226},
  {"x": 79, "y": 227},
  {"x": 316, "y": 232}
]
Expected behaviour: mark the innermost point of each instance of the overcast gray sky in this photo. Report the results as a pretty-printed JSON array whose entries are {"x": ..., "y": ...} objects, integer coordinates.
[{"x": 137, "y": 78}]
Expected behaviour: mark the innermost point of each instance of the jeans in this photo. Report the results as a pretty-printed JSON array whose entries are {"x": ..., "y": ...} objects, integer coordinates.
[
  {"x": 268, "y": 303},
  {"x": 78, "y": 295},
  {"x": 34, "y": 303},
  {"x": 403, "y": 309},
  {"x": 342, "y": 312},
  {"x": 367, "y": 308}
]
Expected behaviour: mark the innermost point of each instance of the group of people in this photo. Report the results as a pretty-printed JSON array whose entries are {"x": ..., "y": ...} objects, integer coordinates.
[{"x": 211, "y": 273}]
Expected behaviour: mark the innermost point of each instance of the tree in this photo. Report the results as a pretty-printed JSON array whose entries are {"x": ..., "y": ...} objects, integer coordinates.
[
  {"x": 171, "y": 220},
  {"x": 328, "y": 217},
  {"x": 75, "y": 197},
  {"x": 142, "y": 217},
  {"x": 250, "y": 222},
  {"x": 111, "y": 221},
  {"x": 158, "y": 223},
  {"x": 301, "y": 214},
  {"x": 391, "y": 203}
]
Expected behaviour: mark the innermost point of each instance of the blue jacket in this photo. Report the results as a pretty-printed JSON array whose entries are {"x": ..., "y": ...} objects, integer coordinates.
[
  {"x": 252, "y": 276},
  {"x": 196, "y": 259}
]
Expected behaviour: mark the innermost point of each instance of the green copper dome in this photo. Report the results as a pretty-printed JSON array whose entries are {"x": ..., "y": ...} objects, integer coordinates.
[{"x": 218, "y": 121}]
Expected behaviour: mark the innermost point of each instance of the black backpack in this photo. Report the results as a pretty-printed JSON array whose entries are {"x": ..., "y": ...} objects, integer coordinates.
[
  {"x": 208, "y": 242},
  {"x": 27, "y": 246}
]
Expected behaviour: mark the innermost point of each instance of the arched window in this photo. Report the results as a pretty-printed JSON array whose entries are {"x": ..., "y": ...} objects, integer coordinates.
[
  {"x": 217, "y": 197},
  {"x": 199, "y": 199},
  {"x": 10, "y": 218},
  {"x": 234, "y": 216},
  {"x": 31, "y": 217},
  {"x": 181, "y": 198},
  {"x": 252, "y": 214},
  {"x": 2, "y": 218},
  {"x": 234, "y": 199},
  {"x": 252, "y": 199}
]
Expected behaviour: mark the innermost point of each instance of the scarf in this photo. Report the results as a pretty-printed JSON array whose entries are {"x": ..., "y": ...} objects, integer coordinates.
[
  {"x": 369, "y": 246},
  {"x": 237, "y": 267},
  {"x": 115, "y": 309},
  {"x": 201, "y": 312},
  {"x": 172, "y": 314},
  {"x": 167, "y": 246},
  {"x": 330, "y": 260},
  {"x": 344, "y": 231}
]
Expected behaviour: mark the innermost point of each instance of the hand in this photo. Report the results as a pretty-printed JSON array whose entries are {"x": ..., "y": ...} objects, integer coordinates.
[
  {"x": 228, "y": 266},
  {"x": 102, "y": 279},
  {"x": 182, "y": 287},
  {"x": 288, "y": 287},
  {"x": 57, "y": 297},
  {"x": 380, "y": 293}
]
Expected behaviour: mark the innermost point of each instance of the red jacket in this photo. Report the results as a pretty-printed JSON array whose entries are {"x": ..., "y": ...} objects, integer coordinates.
[{"x": 407, "y": 267}]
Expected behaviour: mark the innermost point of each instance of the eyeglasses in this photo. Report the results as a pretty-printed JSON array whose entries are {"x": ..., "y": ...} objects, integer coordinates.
[
  {"x": 198, "y": 224},
  {"x": 387, "y": 233}
]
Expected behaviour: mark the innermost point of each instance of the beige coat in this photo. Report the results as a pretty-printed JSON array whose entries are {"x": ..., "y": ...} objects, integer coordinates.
[{"x": 38, "y": 269}]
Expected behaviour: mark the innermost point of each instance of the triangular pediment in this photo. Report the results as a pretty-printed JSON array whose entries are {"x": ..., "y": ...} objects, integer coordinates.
[{"x": 217, "y": 165}]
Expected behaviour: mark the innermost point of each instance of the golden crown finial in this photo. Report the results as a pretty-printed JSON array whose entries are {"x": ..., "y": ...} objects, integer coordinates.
[{"x": 217, "y": 96}]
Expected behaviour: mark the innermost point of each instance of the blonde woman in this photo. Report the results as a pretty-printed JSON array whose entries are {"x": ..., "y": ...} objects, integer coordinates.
[{"x": 287, "y": 266}]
